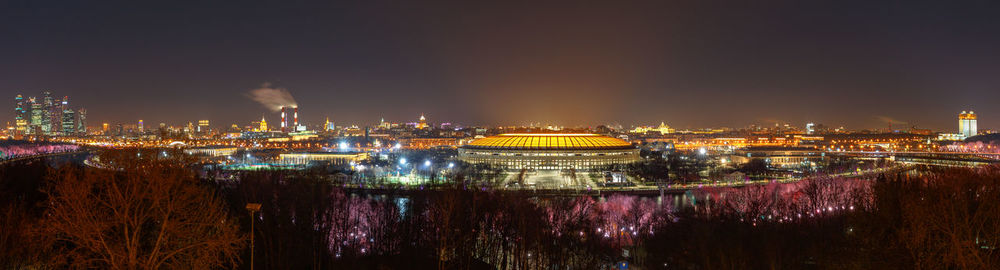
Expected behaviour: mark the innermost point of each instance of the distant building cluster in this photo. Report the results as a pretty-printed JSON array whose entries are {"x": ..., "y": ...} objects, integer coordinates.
[
  {"x": 551, "y": 146},
  {"x": 662, "y": 129},
  {"x": 47, "y": 116},
  {"x": 967, "y": 127}
]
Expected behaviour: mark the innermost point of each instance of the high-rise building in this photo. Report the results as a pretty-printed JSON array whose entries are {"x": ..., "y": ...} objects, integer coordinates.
[
  {"x": 21, "y": 117},
  {"x": 68, "y": 122},
  {"x": 47, "y": 116},
  {"x": 46, "y": 113},
  {"x": 53, "y": 114},
  {"x": 967, "y": 124},
  {"x": 81, "y": 121},
  {"x": 142, "y": 127},
  {"x": 39, "y": 118},
  {"x": 202, "y": 125}
]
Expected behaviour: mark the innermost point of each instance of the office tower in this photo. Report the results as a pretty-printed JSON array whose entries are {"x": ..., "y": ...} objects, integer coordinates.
[
  {"x": 202, "y": 125},
  {"x": 81, "y": 122},
  {"x": 21, "y": 117},
  {"x": 967, "y": 124},
  {"x": 38, "y": 118},
  {"x": 68, "y": 122}
]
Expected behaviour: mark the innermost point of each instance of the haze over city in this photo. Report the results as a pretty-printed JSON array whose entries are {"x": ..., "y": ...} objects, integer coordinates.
[{"x": 692, "y": 64}]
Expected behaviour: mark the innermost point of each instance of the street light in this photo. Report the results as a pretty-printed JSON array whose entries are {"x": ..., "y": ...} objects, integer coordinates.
[{"x": 253, "y": 208}]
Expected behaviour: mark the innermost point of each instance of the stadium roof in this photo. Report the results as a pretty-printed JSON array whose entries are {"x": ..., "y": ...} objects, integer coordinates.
[{"x": 548, "y": 141}]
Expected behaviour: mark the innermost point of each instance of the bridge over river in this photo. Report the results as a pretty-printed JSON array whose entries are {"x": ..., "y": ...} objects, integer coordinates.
[{"x": 949, "y": 159}]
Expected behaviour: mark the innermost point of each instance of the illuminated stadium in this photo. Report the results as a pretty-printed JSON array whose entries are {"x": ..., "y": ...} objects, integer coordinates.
[{"x": 549, "y": 151}]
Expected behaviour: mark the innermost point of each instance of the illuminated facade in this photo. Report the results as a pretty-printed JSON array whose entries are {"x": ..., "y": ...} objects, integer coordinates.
[
  {"x": 967, "y": 124},
  {"x": 21, "y": 117},
  {"x": 212, "y": 151},
  {"x": 68, "y": 123},
  {"x": 422, "y": 124},
  {"x": 46, "y": 116},
  {"x": 382, "y": 124},
  {"x": 549, "y": 151},
  {"x": 427, "y": 143},
  {"x": 334, "y": 158},
  {"x": 81, "y": 121},
  {"x": 662, "y": 129},
  {"x": 203, "y": 125},
  {"x": 782, "y": 157},
  {"x": 263, "y": 125}
]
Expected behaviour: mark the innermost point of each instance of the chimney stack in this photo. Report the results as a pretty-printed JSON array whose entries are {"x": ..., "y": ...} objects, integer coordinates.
[{"x": 283, "y": 119}]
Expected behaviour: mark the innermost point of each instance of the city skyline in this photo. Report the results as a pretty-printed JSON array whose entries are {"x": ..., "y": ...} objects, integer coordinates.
[
  {"x": 447, "y": 134},
  {"x": 692, "y": 65},
  {"x": 886, "y": 122},
  {"x": 50, "y": 116}
]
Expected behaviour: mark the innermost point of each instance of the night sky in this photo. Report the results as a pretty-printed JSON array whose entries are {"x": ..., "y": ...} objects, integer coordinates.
[{"x": 690, "y": 63}]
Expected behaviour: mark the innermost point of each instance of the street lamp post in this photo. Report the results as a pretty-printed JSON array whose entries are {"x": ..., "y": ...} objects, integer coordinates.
[{"x": 253, "y": 208}]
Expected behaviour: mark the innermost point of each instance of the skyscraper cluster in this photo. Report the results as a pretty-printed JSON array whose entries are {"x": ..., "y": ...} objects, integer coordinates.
[{"x": 48, "y": 116}]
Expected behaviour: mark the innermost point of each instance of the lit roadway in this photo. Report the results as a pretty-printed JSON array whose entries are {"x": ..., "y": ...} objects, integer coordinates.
[{"x": 897, "y": 153}]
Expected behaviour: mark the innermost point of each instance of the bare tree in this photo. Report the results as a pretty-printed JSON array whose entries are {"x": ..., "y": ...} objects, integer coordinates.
[
  {"x": 950, "y": 219},
  {"x": 147, "y": 214}
]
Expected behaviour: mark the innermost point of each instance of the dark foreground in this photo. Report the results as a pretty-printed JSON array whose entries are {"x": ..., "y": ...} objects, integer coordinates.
[{"x": 159, "y": 214}]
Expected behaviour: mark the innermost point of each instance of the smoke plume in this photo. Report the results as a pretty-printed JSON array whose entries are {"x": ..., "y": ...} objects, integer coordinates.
[
  {"x": 272, "y": 98},
  {"x": 890, "y": 120}
]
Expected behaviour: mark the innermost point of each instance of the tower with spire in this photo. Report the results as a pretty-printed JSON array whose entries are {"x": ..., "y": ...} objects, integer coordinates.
[
  {"x": 422, "y": 124},
  {"x": 328, "y": 126},
  {"x": 263, "y": 124}
]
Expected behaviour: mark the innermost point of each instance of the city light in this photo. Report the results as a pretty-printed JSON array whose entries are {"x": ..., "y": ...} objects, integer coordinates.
[{"x": 803, "y": 135}]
